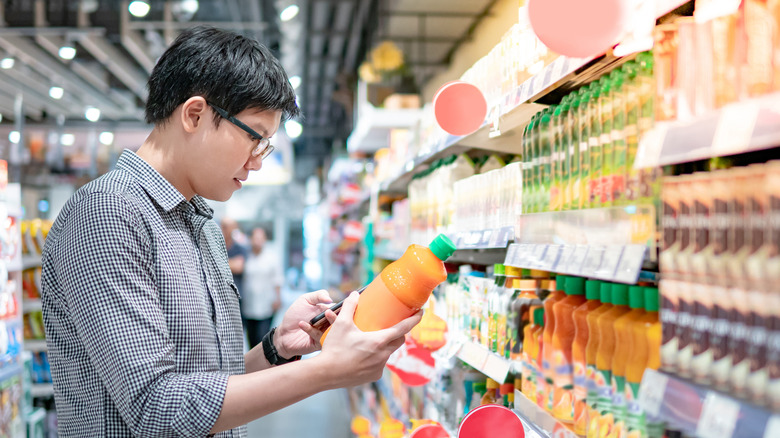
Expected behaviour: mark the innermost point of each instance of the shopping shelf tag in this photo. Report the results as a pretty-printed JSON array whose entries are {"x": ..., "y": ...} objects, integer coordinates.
[
  {"x": 496, "y": 367},
  {"x": 652, "y": 391},
  {"x": 578, "y": 259},
  {"x": 551, "y": 257},
  {"x": 538, "y": 257},
  {"x": 565, "y": 259},
  {"x": 718, "y": 417},
  {"x": 630, "y": 264},
  {"x": 592, "y": 260},
  {"x": 609, "y": 262},
  {"x": 511, "y": 252}
]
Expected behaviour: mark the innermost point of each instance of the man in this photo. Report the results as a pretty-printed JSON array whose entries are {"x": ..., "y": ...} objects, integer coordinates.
[
  {"x": 236, "y": 252},
  {"x": 262, "y": 296},
  {"x": 140, "y": 309}
]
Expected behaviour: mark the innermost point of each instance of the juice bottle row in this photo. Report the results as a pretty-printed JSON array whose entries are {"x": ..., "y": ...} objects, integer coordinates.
[
  {"x": 488, "y": 201},
  {"x": 721, "y": 265},
  {"x": 580, "y": 154}
]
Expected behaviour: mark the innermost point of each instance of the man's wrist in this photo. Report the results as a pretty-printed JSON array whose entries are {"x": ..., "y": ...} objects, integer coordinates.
[{"x": 280, "y": 348}]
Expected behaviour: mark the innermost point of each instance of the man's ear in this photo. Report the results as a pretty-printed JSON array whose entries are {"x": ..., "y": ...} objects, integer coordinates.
[{"x": 194, "y": 112}]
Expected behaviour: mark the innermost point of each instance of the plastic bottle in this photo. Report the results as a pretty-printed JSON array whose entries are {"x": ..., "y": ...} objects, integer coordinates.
[
  {"x": 605, "y": 354},
  {"x": 638, "y": 360},
  {"x": 492, "y": 395},
  {"x": 583, "y": 126},
  {"x": 572, "y": 138},
  {"x": 539, "y": 382},
  {"x": 631, "y": 130},
  {"x": 623, "y": 344},
  {"x": 545, "y": 161},
  {"x": 563, "y": 337},
  {"x": 592, "y": 347},
  {"x": 549, "y": 328},
  {"x": 531, "y": 353},
  {"x": 595, "y": 146},
  {"x": 607, "y": 145},
  {"x": 619, "y": 169},
  {"x": 403, "y": 287},
  {"x": 556, "y": 194},
  {"x": 592, "y": 294}
]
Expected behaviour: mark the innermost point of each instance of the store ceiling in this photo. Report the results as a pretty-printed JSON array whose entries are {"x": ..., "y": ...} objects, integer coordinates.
[{"x": 115, "y": 52}]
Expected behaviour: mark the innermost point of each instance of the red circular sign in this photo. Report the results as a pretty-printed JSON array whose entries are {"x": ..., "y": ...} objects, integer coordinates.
[
  {"x": 491, "y": 421},
  {"x": 430, "y": 431},
  {"x": 459, "y": 107}
]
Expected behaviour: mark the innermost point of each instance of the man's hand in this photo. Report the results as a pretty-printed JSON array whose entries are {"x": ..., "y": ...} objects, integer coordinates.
[{"x": 295, "y": 336}]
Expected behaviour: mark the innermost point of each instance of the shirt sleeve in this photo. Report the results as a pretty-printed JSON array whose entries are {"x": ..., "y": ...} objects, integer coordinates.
[{"x": 104, "y": 264}]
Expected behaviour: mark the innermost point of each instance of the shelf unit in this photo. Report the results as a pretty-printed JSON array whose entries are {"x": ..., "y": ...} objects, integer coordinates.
[
  {"x": 31, "y": 305},
  {"x": 36, "y": 345},
  {"x": 703, "y": 412},
  {"x": 42, "y": 390},
  {"x": 31, "y": 261}
]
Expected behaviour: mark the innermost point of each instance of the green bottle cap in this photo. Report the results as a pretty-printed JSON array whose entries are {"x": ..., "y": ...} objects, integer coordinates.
[
  {"x": 606, "y": 292},
  {"x": 499, "y": 269},
  {"x": 539, "y": 316},
  {"x": 525, "y": 273},
  {"x": 593, "y": 289},
  {"x": 651, "y": 299},
  {"x": 636, "y": 297},
  {"x": 546, "y": 119},
  {"x": 630, "y": 69},
  {"x": 575, "y": 286},
  {"x": 575, "y": 101},
  {"x": 605, "y": 84},
  {"x": 442, "y": 247},
  {"x": 480, "y": 387},
  {"x": 619, "y": 294},
  {"x": 558, "y": 111},
  {"x": 560, "y": 282}
]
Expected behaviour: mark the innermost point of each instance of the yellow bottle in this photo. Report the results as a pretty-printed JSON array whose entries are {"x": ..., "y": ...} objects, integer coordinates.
[
  {"x": 638, "y": 361},
  {"x": 623, "y": 344},
  {"x": 547, "y": 351},
  {"x": 591, "y": 348}
]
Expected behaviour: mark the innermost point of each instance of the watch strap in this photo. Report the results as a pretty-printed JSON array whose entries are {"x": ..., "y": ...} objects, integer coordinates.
[{"x": 271, "y": 353}]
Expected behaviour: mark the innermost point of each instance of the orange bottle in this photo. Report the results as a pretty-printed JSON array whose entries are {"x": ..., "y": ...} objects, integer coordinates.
[
  {"x": 530, "y": 357},
  {"x": 592, "y": 294},
  {"x": 549, "y": 328},
  {"x": 592, "y": 347},
  {"x": 403, "y": 287},
  {"x": 604, "y": 355},
  {"x": 638, "y": 360},
  {"x": 563, "y": 337},
  {"x": 541, "y": 384},
  {"x": 623, "y": 345}
]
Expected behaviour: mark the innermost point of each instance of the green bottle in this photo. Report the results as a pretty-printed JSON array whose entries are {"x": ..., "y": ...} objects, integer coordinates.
[
  {"x": 631, "y": 130},
  {"x": 545, "y": 161},
  {"x": 583, "y": 127},
  {"x": 607, "y": 147},
  {"x": 594, "y": 146},
  {"x": 556, "y": 126},
  {"x": 619, "y": 158}
]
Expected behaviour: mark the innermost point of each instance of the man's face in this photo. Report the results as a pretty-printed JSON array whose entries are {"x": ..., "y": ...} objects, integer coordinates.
[
  {"x": 258, "y": 238},
  {"x": 225, "y": 157}
]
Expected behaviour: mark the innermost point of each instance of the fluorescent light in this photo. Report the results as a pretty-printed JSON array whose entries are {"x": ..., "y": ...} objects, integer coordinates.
[
  {"x": 295, "y": 81},
  {"x": 14, "y": 137},
  {"x": 56, "y": 92},
  {"x": 293, "y": 128},
  {"x": 106, "y": 137},
  {"x": 92, "y": 114},
  {"x": 7, "y": 63},
  {"x": 138, "y": 8},
  {"x": 189, "y": 6},
  {"x": 289, "y": 12},
  {"x": 67, "y": 52},
  {"x": 67, "y": 139}
]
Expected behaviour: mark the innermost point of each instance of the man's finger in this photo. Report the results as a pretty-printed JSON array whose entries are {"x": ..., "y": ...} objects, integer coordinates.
[
  {"x": 403, "y": 327},
  {"x": 320, "y": 296},
  {"x": 349, "y": 306},
  {"x": 311, "y": 331}
]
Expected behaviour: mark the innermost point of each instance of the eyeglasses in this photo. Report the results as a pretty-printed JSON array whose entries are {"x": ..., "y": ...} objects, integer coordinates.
[{"x": 262, "y": 149}]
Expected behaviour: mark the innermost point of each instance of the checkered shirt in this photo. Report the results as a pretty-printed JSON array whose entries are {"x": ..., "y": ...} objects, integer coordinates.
[{"x": 140, "y": 310}]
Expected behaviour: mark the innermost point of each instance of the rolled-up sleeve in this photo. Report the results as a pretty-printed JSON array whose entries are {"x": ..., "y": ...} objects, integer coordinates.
[{"x": 103, "y": 261}]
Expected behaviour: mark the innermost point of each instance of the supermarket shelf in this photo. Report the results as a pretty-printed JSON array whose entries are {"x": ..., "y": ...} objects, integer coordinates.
[
  {"x": 702, "y": 412},
  {"x": 736, "y": 128},
  {"x": 485, "y": 361},
  {"x": 31, "y": 305},
  {"x": 360, "y": 206},
  {"x": 31, "y": 261},
  {"x": 9, "y": 371},
  {"x": 35, "y": 345},
  {"x": 484, "y": 256},
  {"x": 42, "y": 390},
  {"x": 484, "y": 239},
  {"x": 537, "y": 421},
  {"x": 372, "y": 131}
]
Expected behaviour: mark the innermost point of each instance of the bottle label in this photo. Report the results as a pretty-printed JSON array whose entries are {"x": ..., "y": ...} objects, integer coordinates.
[
  {"x": 619, "y": 408},
  {"x": 635, "y": 415},
  {"x": 591, "y": 385},
  {"x": 604, "y": 384}
]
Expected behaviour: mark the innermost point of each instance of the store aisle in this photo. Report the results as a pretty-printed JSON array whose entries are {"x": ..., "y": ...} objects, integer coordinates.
[{"x": 325, "y": 415}]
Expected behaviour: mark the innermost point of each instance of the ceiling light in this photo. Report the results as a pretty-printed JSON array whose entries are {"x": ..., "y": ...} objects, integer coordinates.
[
  {"x": 56, "y": 92},
  {"x": 295, "y": 81},
  {"x": 67, "y": 52},
  {"x": 14, "y": 137},
  {"x": 106, "y": 137},
  {"x": 138, "y": 8},
  {"x": 289, "y": 12},
  {"x": 189, "y": 6},
  {"x": 92, "y": 114},
  {"x": 293, "y": 128},
  {"x": 67, "y": 139},
  {"x": 7, "y": 63}
]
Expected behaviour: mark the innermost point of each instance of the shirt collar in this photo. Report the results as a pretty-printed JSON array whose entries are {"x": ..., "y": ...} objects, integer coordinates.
[{"x": 159, "y": 188}]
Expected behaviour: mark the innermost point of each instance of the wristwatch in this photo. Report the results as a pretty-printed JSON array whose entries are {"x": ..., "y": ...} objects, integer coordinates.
[{"x": 270, "y": 350}]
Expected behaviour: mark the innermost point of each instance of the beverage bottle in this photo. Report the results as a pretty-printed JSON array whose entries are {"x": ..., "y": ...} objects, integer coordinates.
[
  {"x": 539, "y": 382},
  {"x": 403, "y": 287},
  {"x": 592, "y": 294},
  {"x": 531, "y": 353},
  {"x": 637, "y": 362},
  {"x": 623, "y": 341},
  {"x": 591, "y": 349},
  {"x": 605, "y": 354},
  {"x": 563, "y": 337},
  {"x": 549, "y": 328}
]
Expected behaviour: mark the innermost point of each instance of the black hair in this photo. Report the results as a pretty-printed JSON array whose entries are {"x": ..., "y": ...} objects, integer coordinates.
[{"x": 229, "y": 70}]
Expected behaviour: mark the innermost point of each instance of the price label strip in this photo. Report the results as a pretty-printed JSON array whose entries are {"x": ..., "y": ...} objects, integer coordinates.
[
  {"x": 538, "y": 256},
  {"x": 718, "y": 418},
  {"x": 511, "y": 252},
  {"x": 550, "y": 260},
  {"x": 578, "y": 259},
  {"x": 564, "y": 261},
  {"x": 609, "y": 262},
  {"x": 473, "y": 355},
  {"x": 652, "y": 391},
  {"x": 496, "y": 367},
  {"x": 630, "y": 264},
  {"x": 592, "y": 261}
]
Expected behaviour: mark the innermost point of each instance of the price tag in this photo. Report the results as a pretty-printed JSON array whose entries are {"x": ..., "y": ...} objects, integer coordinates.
[
  {"x": 772, "y": 427},
  {"x": 496, "y": 367},
  {"x": 557, "y": 69},
  {"x": 609, "y": 262},
  {"x": 473, "y": 355},
  {"x": 538, "y": 256},
  {"x": 735, "y": 129},
  {"x": 494, "y": 117},
  {"x": 718, "y": 418},
  {"x": 652, "y": 391},
  {"x": 630, "y": 264},
  {"x": 510, "y": 255},
  {"x": 484, "y": 240},
  {"x": 578, "y": 259},
  {"x": 649, "y": 152},
  {"x": 551, "y": 257},
  {"x": 592, "y": 261},
  {"x": 565, "y": 259}
]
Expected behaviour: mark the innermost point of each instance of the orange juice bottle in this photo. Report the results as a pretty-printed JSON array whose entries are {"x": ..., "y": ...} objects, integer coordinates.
[
  {"x": 531, "y": 353},
  {"x": 592, "y": 294},
  {"x": 563, "y": 337},
  {"x": 403, "y": 287},
  {"x": 637, "y": 362},
  {"x": 604, "y": 355},
  {"x": 539, "y": 383},
  {"x": 655, "y": 428},
  {"x": 623, "y": 344},
  {"x": 549, "y": 328},
  {"x": 591, "y": 349}
]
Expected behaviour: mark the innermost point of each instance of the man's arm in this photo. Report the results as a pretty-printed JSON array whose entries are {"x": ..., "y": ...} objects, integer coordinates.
[
  {"x": 103, "y": 262},
  {"x": 237, "y": 263}
]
